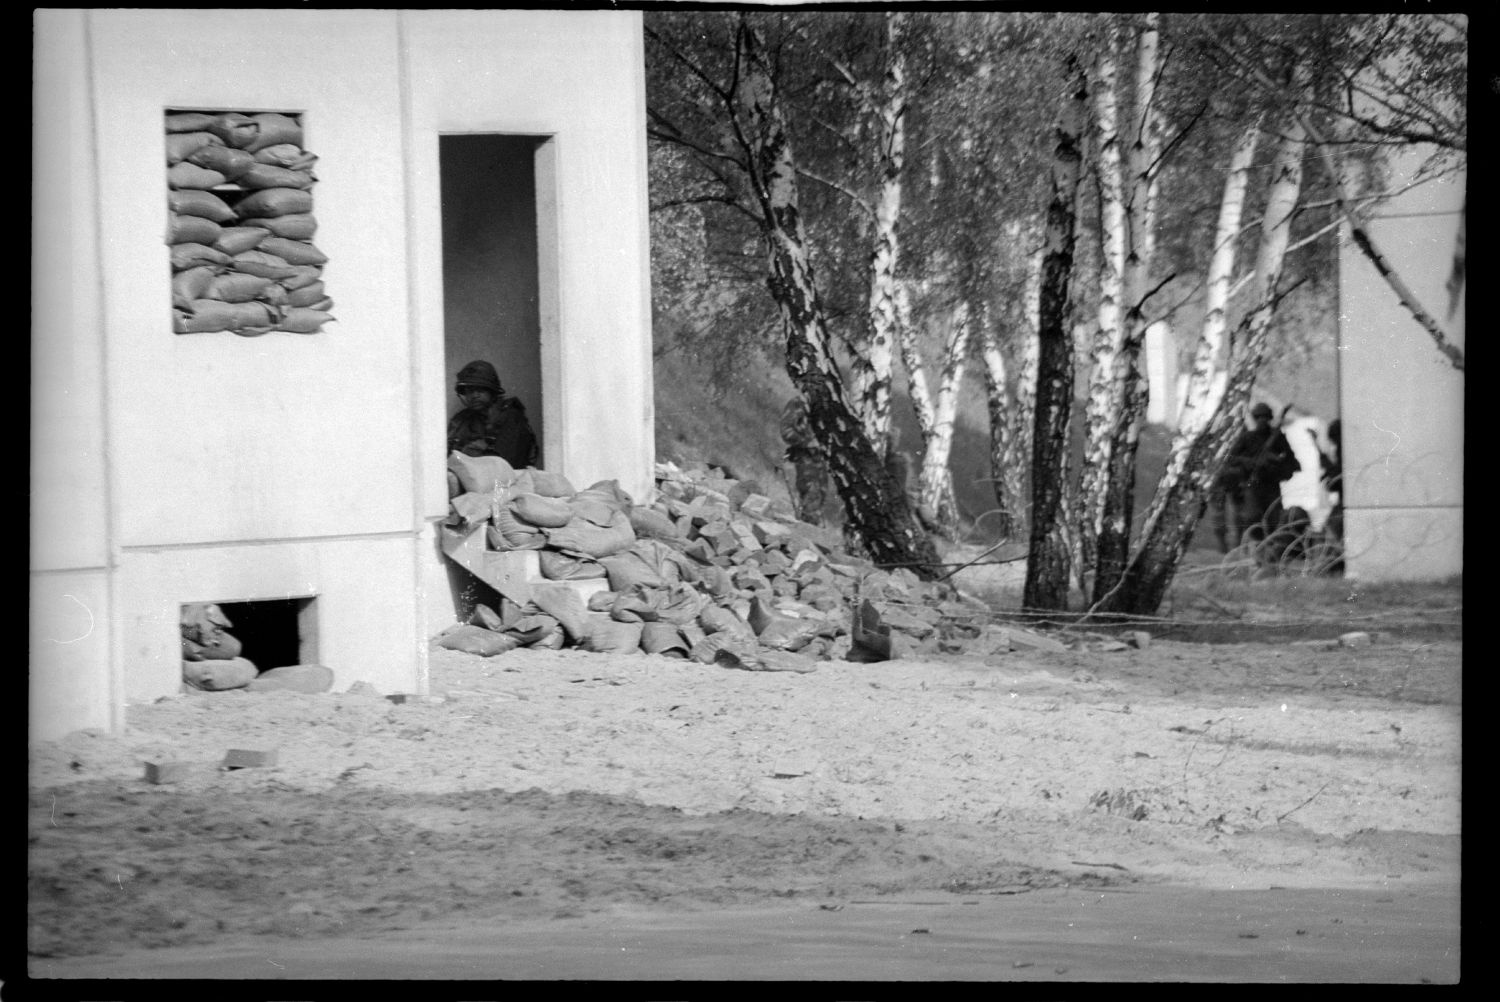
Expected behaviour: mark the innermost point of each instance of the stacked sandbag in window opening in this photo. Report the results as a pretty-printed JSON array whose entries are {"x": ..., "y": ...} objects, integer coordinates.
[
  {"x": 712, "y": 570},
  {"x": 240, "y": 225}
]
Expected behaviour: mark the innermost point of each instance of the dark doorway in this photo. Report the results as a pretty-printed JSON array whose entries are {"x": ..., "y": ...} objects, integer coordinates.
[{"x": 490, "y": 283}]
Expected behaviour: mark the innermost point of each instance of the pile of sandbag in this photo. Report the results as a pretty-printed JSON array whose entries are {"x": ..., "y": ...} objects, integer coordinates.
[
  {"x": 710, "y": 570},
  {"x": 210, "y": 653},
  {"x": 240, "y": 225}
]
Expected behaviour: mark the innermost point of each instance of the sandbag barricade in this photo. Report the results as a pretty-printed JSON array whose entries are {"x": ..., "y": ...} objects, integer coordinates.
[
  {"x": 234, "y": 182},
  {"x": 711, "y": 571}
]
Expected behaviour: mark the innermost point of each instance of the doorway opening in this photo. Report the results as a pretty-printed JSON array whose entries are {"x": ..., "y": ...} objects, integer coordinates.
[{"x": 492, "y": 303}]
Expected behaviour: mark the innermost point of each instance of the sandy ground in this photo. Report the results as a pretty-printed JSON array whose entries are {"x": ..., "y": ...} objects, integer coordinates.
[{"x": 559, "y": 785}]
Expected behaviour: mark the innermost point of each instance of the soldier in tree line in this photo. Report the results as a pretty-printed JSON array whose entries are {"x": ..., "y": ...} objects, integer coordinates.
[
  {"x": 810, "y": 482},
  {"x": 1247, "y": 490}
]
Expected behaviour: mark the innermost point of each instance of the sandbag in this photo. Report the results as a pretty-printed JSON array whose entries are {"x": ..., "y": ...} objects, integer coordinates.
[
  {"x": 543, "y": 512},
  {"x": 592, "y": 510},
  {"x": 270, "y": 176},
  {"x": 778, "y": 632},
  {"x": 189, "y": 175},
  {"x": 649, "y": 523},
  {"x": 189, "y": 255},
  {"x": 481, "y": 474},
  {"x": 476, "y": 640},
  {"x": 234, "y": 240},
  {"x": 486, "y": 617},
  {"x": 189, "y": 121},
  {"x": 324, "y": 305},
  {"x": 302, "y": 276},
  {"x": 564, "y": 605},
  {"x": 597, "y": 541},
  {"x": 234, "y": 129},
  {"x": 276, "y": 296},
  {"x": 472, "y": 508},
  {"x": 551, "y": 642},
  {"x": 234, "y": 287},
  {"x": 273, "y": 129},
  {"x": 307, "y": 295},
  {"x": 551, "y": 485},
  {"x": 182, "y": 145},
  {"x": 273, "y": 202},
  {"x": 189, "y": 202},
  {"x": 190, "y": 284},
  {"x": 628, "y": 569},
  {"x": 529, "y": 629},
  {"x": 203, "y": 623},
  {"x": 217, "y": 676},
  {"x": 601, "y": 601},
  {"x": 206, "y": 315},
  {"x": 301, "y": 320},
  {"x": 309, "y": 679},
  {"x": 292, "y": 251},
  {"x": 226, "y": 160},
  {"x": 503, "y": 535},
  {"x": 559, "y": 566},
  {"x": 664, "y": 639},
  {"x": 609, "y": 636},
  {"x": 264, "y": 265},
  {"x": 227, "y": 648},
  {"x": 717, "y": 619},
  {"x": 297, "y": 226},
  {"x": 288, "y": 155},
  {"x": 610, "y": 492},
  {"x": 192, "y": 230}
]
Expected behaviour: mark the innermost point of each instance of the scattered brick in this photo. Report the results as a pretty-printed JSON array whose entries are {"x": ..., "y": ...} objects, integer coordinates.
[
  {"x": 248, "y": 758},
  {"x": 166, "y": 772}
]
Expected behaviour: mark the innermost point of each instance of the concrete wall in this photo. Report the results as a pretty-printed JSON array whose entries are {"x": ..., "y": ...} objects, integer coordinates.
[
  {"x": 174, "y": 468},
  {"x": 1400, "y": 400}
]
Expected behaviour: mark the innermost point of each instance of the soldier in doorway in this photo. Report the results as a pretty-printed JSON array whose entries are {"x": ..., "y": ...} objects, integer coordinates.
[{"x": 491, "y": 423}]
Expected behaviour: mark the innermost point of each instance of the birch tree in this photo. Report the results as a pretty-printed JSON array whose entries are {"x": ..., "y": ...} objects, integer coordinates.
[
  {"x": 1048, "y": 563},
  {"x": 748, "y": 130}
]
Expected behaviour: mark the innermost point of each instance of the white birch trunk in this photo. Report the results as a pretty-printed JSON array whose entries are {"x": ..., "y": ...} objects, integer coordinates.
[
  {"x": 911, "y": 358},
  {"x": 937, "y": 478},
  {"x": 1100, "y": 407},
  {"x": 1199, "y": 400},
  {"x": 872, "y": 372}
]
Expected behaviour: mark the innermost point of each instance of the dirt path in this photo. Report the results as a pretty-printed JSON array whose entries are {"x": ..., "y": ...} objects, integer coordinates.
[{"x": 563, "y": 788}]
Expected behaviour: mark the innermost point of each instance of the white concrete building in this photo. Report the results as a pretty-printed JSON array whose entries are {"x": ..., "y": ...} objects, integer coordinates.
[
  {"x": 481, "y": 193},
  {"x": 1401, "y": 401}
]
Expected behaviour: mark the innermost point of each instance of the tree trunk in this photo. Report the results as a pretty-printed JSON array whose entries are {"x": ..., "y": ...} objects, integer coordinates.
[
  {"x": 937, "y": 477},
  {"x": 1000, "y": 409},
  {"x": 872, "y": 370},
  {"x": 1046, "y": 584},
  {"x": 1104, "y": 388},
  {"x": 1018, "y": 461},
  {"x": 1179, "y": 503},
  {"x": 874, "y": 505},
  {"x": 1130, "y": 394}
]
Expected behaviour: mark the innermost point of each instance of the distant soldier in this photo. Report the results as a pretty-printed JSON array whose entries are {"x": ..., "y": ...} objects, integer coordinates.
[
  {"x": 810, "y": 488},
  {"x": 491, "y": 422},
  {"x": 1250, "y": 482}
]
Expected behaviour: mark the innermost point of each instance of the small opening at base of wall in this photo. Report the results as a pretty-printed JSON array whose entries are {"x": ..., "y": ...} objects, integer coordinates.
[{"x": 273, "y": 633}]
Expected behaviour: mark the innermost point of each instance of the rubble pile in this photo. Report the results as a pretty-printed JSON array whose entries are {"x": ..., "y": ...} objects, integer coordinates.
[{"x": 710, "y": 570}]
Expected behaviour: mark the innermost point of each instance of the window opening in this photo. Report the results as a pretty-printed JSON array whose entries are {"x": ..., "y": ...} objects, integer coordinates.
[
  {"x": 240, "y": 224},
  {"x": 226, "y": 645}
]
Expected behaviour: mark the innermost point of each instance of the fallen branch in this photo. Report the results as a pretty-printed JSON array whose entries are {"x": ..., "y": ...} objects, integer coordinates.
[{"x": 1282, "y": 817}]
